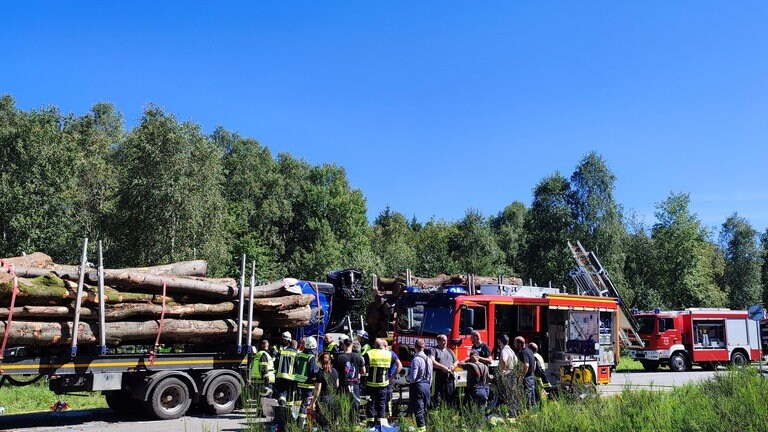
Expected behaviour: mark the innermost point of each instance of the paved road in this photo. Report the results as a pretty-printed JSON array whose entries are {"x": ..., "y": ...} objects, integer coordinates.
[
  {"x": 99, "y": 420},
  {"x": 663, "y": 380}
]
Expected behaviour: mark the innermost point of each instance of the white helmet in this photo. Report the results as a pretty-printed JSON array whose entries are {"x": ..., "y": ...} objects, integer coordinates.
[{"x": 310, "y": 343}]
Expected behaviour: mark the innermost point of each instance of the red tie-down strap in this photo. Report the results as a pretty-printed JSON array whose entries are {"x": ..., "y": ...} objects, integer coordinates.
[
  {"x": 159, "y": 329},
  {"x": 3, "y": 263}
]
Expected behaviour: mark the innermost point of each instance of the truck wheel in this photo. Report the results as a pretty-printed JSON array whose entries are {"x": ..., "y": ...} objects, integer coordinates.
[
  {"x": 121, "y": 402},
  {"x": 650, "y": 365},
  {"x": 677, "y": 363},
  {"x": 169, "y": 400},
  {"x": 222, "y": 395},
  {"x": 739, "y": 360}
]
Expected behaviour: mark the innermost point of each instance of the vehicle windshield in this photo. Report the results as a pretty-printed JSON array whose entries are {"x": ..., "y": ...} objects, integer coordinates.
[
  {"x": 424, "y": 317},
  {"x": 647, "y": 324}
]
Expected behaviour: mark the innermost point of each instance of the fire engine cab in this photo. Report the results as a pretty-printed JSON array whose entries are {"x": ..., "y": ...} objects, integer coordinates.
[
  {"x": 577, "y": 335},
  {"x": 702, "y": 336}
]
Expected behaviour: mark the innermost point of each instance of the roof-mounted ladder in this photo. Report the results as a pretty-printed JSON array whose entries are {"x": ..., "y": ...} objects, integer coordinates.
[{"x": 592, "y": 279}]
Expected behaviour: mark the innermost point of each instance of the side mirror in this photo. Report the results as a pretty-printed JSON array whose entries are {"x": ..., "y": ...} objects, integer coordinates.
[
  {"x": 467, "y": 320},
  {"x": 662, "y": 326}
]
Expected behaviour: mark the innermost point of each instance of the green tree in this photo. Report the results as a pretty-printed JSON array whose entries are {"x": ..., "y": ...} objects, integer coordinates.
[
  {"x": 170, "y": 204},
  {"x": 598, "y": 219},
  {"x": 251, "y": 182},
  {"x": 741, "y": 279},
  {"x": 640, "y": 268},
  {"x": 548, "y": 228},
  {"x": 39, "y": 183},
  {"x": 508, "y": 227},
  {"x": 473, "y": 247},
  {"x": 684, "y": 257},
  {"x": 433, "y": 250},
  {"x": 95, "y": 136},
  {"x": 764, "y": 265},
  {"x": 393, "y": 242},
  {"x": 323, "y": 219}
]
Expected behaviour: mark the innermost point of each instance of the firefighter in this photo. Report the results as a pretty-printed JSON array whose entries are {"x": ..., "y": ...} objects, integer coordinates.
[
  {"x": 305, "y": 372},
  {"x": 378, "y": 361},
  {"x": 285, "y": 380},
  {"x": 394, "y": 370},
  {"x": 420, "y": 379},
  {"x": 330, "y": 346},
  {"x": 262, "y": 370},
  {"x": 362, "y": 337}
]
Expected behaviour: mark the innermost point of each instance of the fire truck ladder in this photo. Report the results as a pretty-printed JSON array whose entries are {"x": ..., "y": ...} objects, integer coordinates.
[{"x": 592, "y": 279}]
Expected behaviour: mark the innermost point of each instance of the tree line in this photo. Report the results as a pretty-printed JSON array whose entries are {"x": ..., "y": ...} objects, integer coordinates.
[{"x": 166, "y": 191}]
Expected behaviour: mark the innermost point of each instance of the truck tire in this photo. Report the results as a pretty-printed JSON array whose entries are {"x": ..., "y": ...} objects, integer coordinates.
[
  {"x": 121, "y": 402},
  {"x": 222, "y": 395},
  {"x": 650, "y": 365},
  {"x": 169, "y": 399},
  {"x": 739, "y": 360},
  {"x": 678, "y": 362}
]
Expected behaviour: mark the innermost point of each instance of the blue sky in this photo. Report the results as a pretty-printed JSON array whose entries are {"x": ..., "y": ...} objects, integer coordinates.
[{"x": 433, "y": 107}]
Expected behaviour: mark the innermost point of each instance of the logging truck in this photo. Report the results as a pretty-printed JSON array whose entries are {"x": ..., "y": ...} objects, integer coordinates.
[{"x": 195, "y": 366}]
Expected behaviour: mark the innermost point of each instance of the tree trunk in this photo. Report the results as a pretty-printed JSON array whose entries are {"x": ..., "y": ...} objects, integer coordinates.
[
  {"x": 34, "y": 260},
  {"x": 398, "y": 283},
  {"x": 297, "y": 317},
  {"x": 174, "y": 331},
  {"x": 151, "y": 283},
  {"x": 121, "y": 311},
  {"x": 50, "y": 290}
]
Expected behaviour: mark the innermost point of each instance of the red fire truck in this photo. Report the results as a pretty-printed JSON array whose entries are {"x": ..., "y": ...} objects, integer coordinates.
[
  {"x": 702, "y": 336},
  {"x": 578, "y": 335}
]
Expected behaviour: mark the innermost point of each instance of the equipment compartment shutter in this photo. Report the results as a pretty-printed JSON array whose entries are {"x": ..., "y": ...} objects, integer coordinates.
[{"x": 736, "y": 331}]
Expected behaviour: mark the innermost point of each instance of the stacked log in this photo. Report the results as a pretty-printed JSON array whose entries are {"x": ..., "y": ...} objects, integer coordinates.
[
  {"x": 396, "y": 285},
  {"x": 197, "y": 308},
  {"x": 378, "y": 314}
]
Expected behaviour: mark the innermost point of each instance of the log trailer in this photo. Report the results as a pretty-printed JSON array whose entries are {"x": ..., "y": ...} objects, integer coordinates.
[
  {"x": 703, "y": 336},
  {"x": 578, "y": 335},
  {"x": 142, "y": 379}
]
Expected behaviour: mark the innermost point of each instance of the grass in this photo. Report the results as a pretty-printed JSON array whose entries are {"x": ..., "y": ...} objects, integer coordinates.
[
  {"x": 626, "y": 364},
  {"x": 731, "y": 401},
  {"x": 36, "y": 397}
]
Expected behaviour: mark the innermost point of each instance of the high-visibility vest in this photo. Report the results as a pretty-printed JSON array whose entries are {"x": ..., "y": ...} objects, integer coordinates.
[
  {"x": 364, "y": 349},
  {"x": 262, "y": 360},
  {"x": 379, "y": 361},
  {"x": 285, "y": 363},
  {"x": 303, "y": 370},
  {"x": 331, "y": 347}
]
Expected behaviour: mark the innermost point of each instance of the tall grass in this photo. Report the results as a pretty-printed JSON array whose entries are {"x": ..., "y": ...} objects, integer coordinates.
[
  {"x": 732, "y": 401},
  {"x": 36, "y": 397}
]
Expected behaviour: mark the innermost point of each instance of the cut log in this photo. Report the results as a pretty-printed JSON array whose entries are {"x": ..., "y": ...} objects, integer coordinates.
[
  {"x": 151, "y": 283},
  {"x": 121, "y": 311},
  {"x": 33, "y": 260},
  {"x": 297, "y": 317},
  {"x": 282, "y": 303},
  {"x": 397, "y": 284},
  {"x": 183, "y": 268},
  {"x": 51, "y": 290},
  {"x": 174, "y": 331}
]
